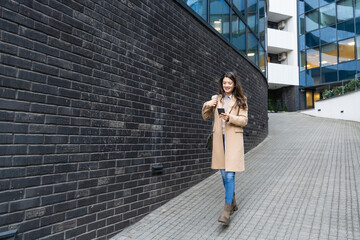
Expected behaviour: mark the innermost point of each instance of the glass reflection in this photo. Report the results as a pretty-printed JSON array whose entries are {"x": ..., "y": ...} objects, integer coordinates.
[
  {"x": 345, "y": 29},
  {"x": 312, "y": 39},
  {"x": 302, "y": 61},
  {"x": 240, "y": 5},
  {"x": 327, "y": 15},
  {"x": 301, "y": 8},
  {"x": 311, "y": 4},
  {"x": 357, "y": 8},
  {"x": 252, "y": 48},
  {"x": 262, "y": 58},
  {"x": 346, "y": 50},
  {"x": 302, "y": 42},
  {"x": 301, "y": 24},
  {"x": 251, "y": 15},
  {"x": 324, "y": 2},
  {"x": 238, "y": 34},
  {"x": 312, "y": 58},
  {"x": 312, "y": 20},
  {"x": 358, "y": 47},
  {"x": 199, "y": 6},
  {"x": 328, "y": 34},
  {"x": 219, "y": 17},
  {"x": 344, "y": 10},
  {"x": 313, "y": 77},
  {"x": 329, "y": 74},
  {"x": 329, "y": 54},
  {"x": 347, "y": 70}
]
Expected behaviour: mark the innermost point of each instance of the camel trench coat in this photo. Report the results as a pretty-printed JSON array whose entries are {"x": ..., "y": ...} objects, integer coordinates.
[{"x": 232, "y": 160}]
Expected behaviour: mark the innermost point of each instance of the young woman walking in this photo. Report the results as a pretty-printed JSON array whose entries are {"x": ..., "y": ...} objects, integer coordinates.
[{"x": 228, "y": 143}]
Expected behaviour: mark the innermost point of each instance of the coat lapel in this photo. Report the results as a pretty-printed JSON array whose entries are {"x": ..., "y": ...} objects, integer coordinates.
[{"x": 231, "y": 104}]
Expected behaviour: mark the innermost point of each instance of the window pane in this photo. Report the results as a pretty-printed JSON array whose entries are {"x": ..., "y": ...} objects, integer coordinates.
[
  {"x": 347, "y": 70},
  {"x": 312, "y": 39},
  {"x": 329, "y": 54},
  {"x": 219, "y": 17},
  {"x": 313, "y": 77},
  {"x": 302, "y": 42},
  {"x": 324, "y": 2},
  {"x": 253, "y": 48},
  {"x": 240, "y": 5},
  {"x": 329, "y": 74},
  {"x": 238, "y": 34},
  {"x": 251, "y": 15},
  {"x": 345, "y": 29},
  {"x": 312, "y": 57},
  {"x": 312, "y": 21},
  {"x": 262, "y": 30},
  {"x": 357, "y": 8},
  {"x": 327, "y": 15},
  {"x": 302, "y": 79},
  {"x": 344, "y": 10},
  {"x": 358, "y": 47},
  {"x": 302, "y": 61},
  {"x": 301, "y": 24},
  {"x": 262, "y": 59},
  {"x": 328, "y": 34},
  {"x": 346, "y": 50},
  {"x": 357, "y": 24},
  {"x": 199, "y": 6},
  {"x": 261, "y": 8},
  {"x": 300, "y": 7},
  {"x": 311, "y": 4}
]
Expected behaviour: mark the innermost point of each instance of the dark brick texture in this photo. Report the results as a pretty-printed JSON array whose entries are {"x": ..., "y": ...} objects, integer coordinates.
[{"x": 93, "y": 94}]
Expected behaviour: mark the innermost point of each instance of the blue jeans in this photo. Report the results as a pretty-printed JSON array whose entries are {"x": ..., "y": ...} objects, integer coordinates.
[{"x": 228, "y": 181}]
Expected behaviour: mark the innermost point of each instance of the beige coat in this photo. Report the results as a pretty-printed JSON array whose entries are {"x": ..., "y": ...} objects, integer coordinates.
[{"x": 233, "y": 158}]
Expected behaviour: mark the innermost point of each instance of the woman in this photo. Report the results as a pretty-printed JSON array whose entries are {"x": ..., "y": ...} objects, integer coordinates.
[{"x": 228, "y": 144}]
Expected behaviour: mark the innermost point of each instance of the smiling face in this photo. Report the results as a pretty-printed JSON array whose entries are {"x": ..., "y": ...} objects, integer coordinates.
[{"x": 228, "y": 86}]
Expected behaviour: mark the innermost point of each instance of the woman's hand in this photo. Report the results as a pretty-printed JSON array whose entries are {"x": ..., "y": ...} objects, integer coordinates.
[
  {"x": 212, "y": 102},
  {"x": 225, "y": 116}
]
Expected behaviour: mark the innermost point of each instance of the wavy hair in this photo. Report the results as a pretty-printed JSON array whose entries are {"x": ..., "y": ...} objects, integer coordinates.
[{"x": 237, "y": 92}]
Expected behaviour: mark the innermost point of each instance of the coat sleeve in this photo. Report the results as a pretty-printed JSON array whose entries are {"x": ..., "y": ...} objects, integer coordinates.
[
  {"x": 240, "y": 120},
  {"x": 207, "y": 111}
]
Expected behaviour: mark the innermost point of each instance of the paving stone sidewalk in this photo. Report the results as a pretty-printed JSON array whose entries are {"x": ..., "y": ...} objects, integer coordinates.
[{"x": 302, "y": 182}]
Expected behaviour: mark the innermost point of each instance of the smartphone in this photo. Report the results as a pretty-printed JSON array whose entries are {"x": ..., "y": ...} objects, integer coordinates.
[{"x": 221, "y": 110}]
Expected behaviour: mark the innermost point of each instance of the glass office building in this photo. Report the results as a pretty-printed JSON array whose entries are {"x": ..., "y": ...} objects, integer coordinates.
[
  {"x": 329, "y": 45},
  {"x": 241, "y": 23}
]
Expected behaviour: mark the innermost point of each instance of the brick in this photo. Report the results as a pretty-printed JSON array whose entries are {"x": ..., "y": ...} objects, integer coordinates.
[
  {"x": 11, "y": 218},
  {"x": 11, "y": 195},
  {"x": 29, "y": 182},
  {"x": 17, "y": 40},
  {"x": 24, "y": 204},
  {"x": 17, "y": 18},
  {"x": 15, "y": 61},
  {"x": 55, "y": 218},
  {"x": 55, "y": 198},
  {"x": 38, "y": 191},
  {"x": 31, "y": 34},
  {"x": 31, "y": 55},
  {"x": 37, "y": 234}
]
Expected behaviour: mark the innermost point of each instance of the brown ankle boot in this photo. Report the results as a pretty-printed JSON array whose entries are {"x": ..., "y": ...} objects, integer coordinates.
[
  {"x": 234, "y": 206},
  {"x": 225, "y": 215}
]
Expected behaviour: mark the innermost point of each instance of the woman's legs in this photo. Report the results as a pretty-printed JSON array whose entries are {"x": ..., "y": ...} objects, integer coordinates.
[{"x": 229, "y": 184}]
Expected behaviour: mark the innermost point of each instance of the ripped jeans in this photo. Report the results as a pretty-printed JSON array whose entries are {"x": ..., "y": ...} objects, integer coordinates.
[{"x": 228, "y": 181}]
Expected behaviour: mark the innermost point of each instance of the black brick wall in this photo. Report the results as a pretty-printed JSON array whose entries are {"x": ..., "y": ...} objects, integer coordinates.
[{"x": 95, "y": 93}]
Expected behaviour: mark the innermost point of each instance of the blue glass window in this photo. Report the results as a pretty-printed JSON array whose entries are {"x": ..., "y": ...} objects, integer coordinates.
[
  {"x": 302, "y": 60},
  {"x": 301, "y": 24},
  {"x": 312, "y": 58},
  {"x": 240, "y": 5},
  {"x": 327, "y": 15},
  {"x": 302, "y": 82},
  {"x": 219, "y": 17},
  {"x": 253, "y": 48},
  {"x": 311, "y": 4},
  {"x": 358, "y": 48},
  {"x": 252, "y": 18},
  {"x": 238, "y": 33},
  {"x": 301, "y": 8},
  {"x": 324, "y": 2},
  {"x": 347, "y": 70},
  {"x": 199, "y": 6},
  {"x": 357, "y": 25},
  {"x": 344, "y": 10},
  {"x": 329, "y": 54},
  {"x": 346, "y": 50},
  {"x": 302, "y": 42},
  {"x": 262, "y": 21},
  {"x": 329, "y": 74},
  {"x": 262, "y": 63},
  {"x": 313, "y": 77},
  {"x": 328, "y": 34},
  {"x": 345, "y": 29},
  {"x": 357, "y": 8},
  {"x": 312, "y": 39},
  {"x": 312, "y": 20}
]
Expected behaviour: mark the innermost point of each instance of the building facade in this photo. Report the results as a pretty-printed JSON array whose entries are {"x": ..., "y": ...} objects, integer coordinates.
[
  {"x": 283, "y": 56},
  {"x": 100, "y": 106},
  {"x": 329, "y": 46}
]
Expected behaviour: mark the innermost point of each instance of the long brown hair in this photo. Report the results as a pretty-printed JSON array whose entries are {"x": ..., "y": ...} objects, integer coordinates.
[{"x": 237, "y": 92}]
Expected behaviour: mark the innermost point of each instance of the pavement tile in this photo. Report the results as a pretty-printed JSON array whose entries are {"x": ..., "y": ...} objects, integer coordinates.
[{"x": 301, "y": 182}]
